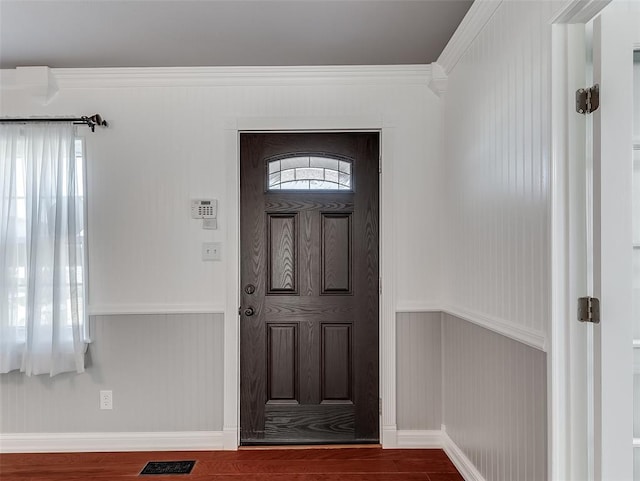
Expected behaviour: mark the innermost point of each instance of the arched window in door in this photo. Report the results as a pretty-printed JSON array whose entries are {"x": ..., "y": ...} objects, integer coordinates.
[{"x": 309, "y": 172}]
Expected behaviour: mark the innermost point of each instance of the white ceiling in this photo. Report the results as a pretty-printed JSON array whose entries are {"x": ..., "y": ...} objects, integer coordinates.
[{"x": 184, "y": 33}]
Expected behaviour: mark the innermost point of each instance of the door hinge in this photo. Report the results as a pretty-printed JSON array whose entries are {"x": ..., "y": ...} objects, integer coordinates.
[
  {"x": 589, "y": 309},
  {"x": 379, "y": 285},
  {"x": 380, "y": 165},
  {"x": 379, "y": 405},
  {"x": 588, "y": 99}
]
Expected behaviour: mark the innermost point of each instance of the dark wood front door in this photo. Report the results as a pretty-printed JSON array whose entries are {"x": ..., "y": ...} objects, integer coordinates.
[{"x": 309, "y": 274}]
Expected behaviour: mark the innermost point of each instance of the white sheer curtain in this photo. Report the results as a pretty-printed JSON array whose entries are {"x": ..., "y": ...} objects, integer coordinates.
[{"x": 42, "y": 311}]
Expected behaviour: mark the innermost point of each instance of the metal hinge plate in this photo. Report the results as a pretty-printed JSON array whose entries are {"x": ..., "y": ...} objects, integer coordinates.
[
  {"x": 379, "y": 285},
  {"x": 379, "y": 405},
  {"x": 589, "y": 309},
  {"x": 588, "y": 100}
]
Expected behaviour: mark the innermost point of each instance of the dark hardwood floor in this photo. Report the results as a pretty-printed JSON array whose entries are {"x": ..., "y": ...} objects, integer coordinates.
[{"x": 318, "y": 464}]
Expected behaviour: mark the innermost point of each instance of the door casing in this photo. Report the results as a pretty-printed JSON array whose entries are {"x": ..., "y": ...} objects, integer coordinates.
[
  {"x": 387, "y": 321},
  {"x": 571, "y": 343}
]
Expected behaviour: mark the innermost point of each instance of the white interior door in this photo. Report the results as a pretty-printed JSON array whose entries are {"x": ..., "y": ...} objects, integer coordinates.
[{"x": 615, "y": 33}]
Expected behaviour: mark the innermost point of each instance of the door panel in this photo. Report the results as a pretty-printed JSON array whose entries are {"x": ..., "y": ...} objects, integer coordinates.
[
  {"x": 282, "y": 355},
  {"x": 309, "y": 343},
  {"x": 336, "y": 253},
  {"x": 282, "y": 260},
  {"x": 336, "y": 355}
]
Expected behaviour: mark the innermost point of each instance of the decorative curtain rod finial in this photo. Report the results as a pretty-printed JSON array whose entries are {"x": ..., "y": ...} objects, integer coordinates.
[{"x": 95, "y": 119}]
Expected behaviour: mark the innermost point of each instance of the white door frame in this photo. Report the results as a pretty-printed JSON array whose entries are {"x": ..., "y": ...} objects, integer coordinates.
[
  {"x": 609, "y": 394},
  {"x": 387, "y": 319},
  {"x": 566, "y": 459}
]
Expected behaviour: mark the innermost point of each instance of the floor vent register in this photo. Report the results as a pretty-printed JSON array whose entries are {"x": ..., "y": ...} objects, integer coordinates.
[{"x": 168, "y": 467}]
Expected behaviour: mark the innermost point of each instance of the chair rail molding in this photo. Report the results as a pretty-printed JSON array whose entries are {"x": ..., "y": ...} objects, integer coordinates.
[
  {"x": 125, "y": 309},
  {"x": 530, "y": 337},
  {"x": 417, "y": 306}
]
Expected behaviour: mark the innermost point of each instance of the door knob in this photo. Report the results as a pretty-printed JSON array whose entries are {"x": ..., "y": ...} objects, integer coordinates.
[{"x": 249, "y": 312}]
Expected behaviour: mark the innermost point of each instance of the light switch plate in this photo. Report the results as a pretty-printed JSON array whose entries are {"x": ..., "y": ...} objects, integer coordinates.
[{"x": 211, "y": 251}]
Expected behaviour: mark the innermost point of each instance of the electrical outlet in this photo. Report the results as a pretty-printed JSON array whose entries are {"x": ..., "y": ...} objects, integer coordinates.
[{"x": 106, "y": 399}]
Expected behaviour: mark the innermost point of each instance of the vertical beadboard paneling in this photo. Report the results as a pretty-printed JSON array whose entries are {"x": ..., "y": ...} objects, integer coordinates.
[
  {"x": 165, "y": 372},
  {"x": 497, "y": 170},
  {"x": 494, "y": 401},
  {"x": 419, "y": 371}
]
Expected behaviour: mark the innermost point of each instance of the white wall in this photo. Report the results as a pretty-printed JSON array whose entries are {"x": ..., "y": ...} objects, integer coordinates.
[
  {"x": 497, "y": 221},
  {"x": 166, "y": 144},
  {"x": 497, "y": 170}
]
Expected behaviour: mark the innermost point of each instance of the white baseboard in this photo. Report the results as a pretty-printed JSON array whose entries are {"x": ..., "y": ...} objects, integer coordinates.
[
  {"x": 419, "y": 439},
  {"x": 389, "y": 437},
  {"x": 439, "y": 439},
  {"x": 97, "y": 442},
  {"x": 467, "y": 469},
  {"x": 230, "y": 438},
  {"x": 208, "y": 441}
]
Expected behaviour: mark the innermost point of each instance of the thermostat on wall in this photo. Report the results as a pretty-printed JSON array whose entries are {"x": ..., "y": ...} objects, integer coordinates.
[{"x": 204, "y": 208}]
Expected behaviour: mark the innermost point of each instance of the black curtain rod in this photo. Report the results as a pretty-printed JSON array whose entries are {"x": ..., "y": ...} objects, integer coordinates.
[{"x": 89, "y": 121}]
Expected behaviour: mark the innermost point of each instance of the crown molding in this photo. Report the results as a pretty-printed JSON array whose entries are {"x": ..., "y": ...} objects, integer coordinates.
[
  {"x": 438, "y": 79},
  {"x": 38, "y": 83},
  {"x": 472, "y": 24},
  {"x": 238, "y": 76},
  {"x": 578, "y": 11},
  {"x": 481, "y": 11}
]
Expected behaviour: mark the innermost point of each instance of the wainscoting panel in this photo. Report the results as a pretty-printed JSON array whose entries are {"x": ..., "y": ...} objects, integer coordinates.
[
  {"x": 494, "y": 401},
  {"x": 419, "y": 371},
  {"x": 165, "y": 371}
]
